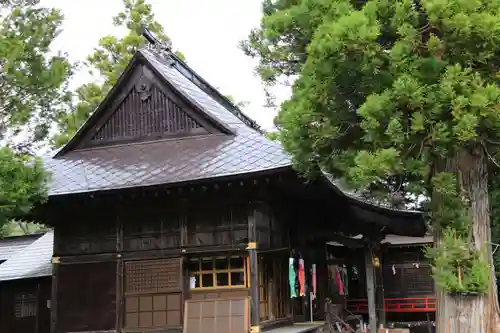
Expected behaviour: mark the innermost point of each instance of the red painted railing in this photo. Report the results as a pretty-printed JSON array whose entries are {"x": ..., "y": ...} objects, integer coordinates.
[{"x": 425, "y": 304}]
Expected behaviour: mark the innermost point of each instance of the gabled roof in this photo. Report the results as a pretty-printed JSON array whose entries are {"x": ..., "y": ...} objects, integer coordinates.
[
  {"x": 244, "y": 150},
  {"x": 11, "y": 245},
  {"x": 30, "y": 262},
  {"x": 240, "y": 148}
]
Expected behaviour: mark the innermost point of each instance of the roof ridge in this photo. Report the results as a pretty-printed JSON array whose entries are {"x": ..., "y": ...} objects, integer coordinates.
[
  {"x": 207, "y": 88},
  {"x": 195, "y": 78}
]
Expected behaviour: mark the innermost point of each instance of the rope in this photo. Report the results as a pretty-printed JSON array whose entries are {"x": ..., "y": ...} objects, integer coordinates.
[{"x": 496, "y": 247}]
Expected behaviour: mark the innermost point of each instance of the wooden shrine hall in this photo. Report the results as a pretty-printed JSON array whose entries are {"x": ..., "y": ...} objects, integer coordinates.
[{"x": 172, "y": 212}]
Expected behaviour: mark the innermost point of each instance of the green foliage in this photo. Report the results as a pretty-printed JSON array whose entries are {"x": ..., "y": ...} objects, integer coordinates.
[
  {"x": 240, "y": 104},
  {"x": 457, "y": 269},
  {"x": 455, "y": 214},
  {"x": 23, "y": 183},
  {"x": 108, "y": 61},
  {"x": 32, "y": 83},
  {"x": 383, "y": 90},
  {"x": 32, "y": 94},
  {"x": 273, "y": 136},
  {"x": 20, "y": 228},
  {"x": 495, "y": 219}
]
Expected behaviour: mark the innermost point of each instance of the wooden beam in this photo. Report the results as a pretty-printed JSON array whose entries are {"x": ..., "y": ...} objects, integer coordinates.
[
  {"x": 54, "y": 294},
  {"x": 119, "y": 277},
  {"x": 253, "y": 220},
  {"x": 370, "y": 289},
  {"x": 87, "y": 258},
  {"x": 37, "y": 307},
  {"x": 3, "y": 308},
  {"x": 379, "y": 290}
]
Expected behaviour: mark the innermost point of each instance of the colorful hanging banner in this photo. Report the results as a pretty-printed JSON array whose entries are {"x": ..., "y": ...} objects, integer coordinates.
[
  {"x": 302, "y": 278},
  {"x": 339, "y": 281},
  {"x": 291, "y": 277}
]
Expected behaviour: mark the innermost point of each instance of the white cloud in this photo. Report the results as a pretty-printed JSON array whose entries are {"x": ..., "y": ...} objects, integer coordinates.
[{"x": 206, "y": 31}]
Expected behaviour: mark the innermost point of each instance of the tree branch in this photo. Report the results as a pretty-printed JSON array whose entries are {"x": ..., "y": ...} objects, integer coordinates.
[{"x": 493, "y": 160}]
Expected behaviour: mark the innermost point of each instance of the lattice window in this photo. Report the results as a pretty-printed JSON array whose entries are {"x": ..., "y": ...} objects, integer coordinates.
[
  {"x": 153, "y": 296},
  {"x": 217, "y": 272},
  {"x": 25, "y": 305},
  {"x": 419, "y": 280},
  {"x": 152, "y": 276}
]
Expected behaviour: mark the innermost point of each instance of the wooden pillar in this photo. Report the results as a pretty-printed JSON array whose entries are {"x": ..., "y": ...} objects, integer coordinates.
[
  {"x": 119, "y": 278},
  {"x": 38, "y": 307},
  {"x": 253, "y": 219},
  {"x": 3, "y": 309},
  {"x": 54, "y": 294},
  {"x": 379, "y": 291},
  {"x": 370, "y": 289}
]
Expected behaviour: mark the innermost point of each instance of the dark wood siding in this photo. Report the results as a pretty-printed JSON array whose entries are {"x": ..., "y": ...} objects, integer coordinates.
[
  {"x": 86, "y": 297},
  {"x": 146, "y": 115},
  {"x": 154, "y": 225},
  {"x": 140, "y": 228},
  {"x": 144, "y": 109},
  {"x": 24, "y": 306},
  {"x": 406, "y": 273}
]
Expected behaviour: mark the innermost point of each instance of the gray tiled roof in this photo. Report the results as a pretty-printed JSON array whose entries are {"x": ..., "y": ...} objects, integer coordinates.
[
  {"x": 175, "y": 160},
  {"x": 163, "y": 162},
  {"x": 32, "y": 261},
  {"x": 11, "y": 245},
  {"x": 169, "y": 161}
]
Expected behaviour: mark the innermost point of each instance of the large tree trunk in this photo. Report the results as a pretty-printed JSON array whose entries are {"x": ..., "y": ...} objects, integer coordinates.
[{"x": 470, "y": 314}]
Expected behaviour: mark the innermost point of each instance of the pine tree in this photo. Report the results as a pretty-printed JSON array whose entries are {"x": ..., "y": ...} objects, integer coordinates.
[
  {"x": 108, "y": 61},
  {"x": 399, "y": 96},
  {"x": 32, "y": 93}
]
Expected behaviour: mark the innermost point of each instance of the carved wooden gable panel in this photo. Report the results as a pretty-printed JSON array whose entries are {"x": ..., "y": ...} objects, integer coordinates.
[{"x": 147, "y": 112}]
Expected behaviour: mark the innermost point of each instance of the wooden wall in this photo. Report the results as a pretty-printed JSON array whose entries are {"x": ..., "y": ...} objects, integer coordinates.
[
  {"x": 24, "y": 306},
  {"x": 145, "y": 225},
  {"x": 107, "y": 235},
  {"x": 406, "y": 272},
  {"x": 86, "y": 297}
]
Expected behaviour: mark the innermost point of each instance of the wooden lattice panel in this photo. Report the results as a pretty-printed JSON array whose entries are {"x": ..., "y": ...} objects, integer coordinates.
[
  {"x": 25, "y": 305},
  {"x": 418, "y": 281},
  {"x": 153, "y": 276},
  {"x": 138, "y": 117}
]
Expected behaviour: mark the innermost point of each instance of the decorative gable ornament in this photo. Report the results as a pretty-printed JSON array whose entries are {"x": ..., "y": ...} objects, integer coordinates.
[
  {"x": 162, "y": 47},
  {"x": 143, "y": 87}
]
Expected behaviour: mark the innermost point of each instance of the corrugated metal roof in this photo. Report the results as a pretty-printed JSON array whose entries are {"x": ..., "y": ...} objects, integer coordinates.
[
  {"x": 11, "y": 245},
  {"x": 32, "y": 261}
]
